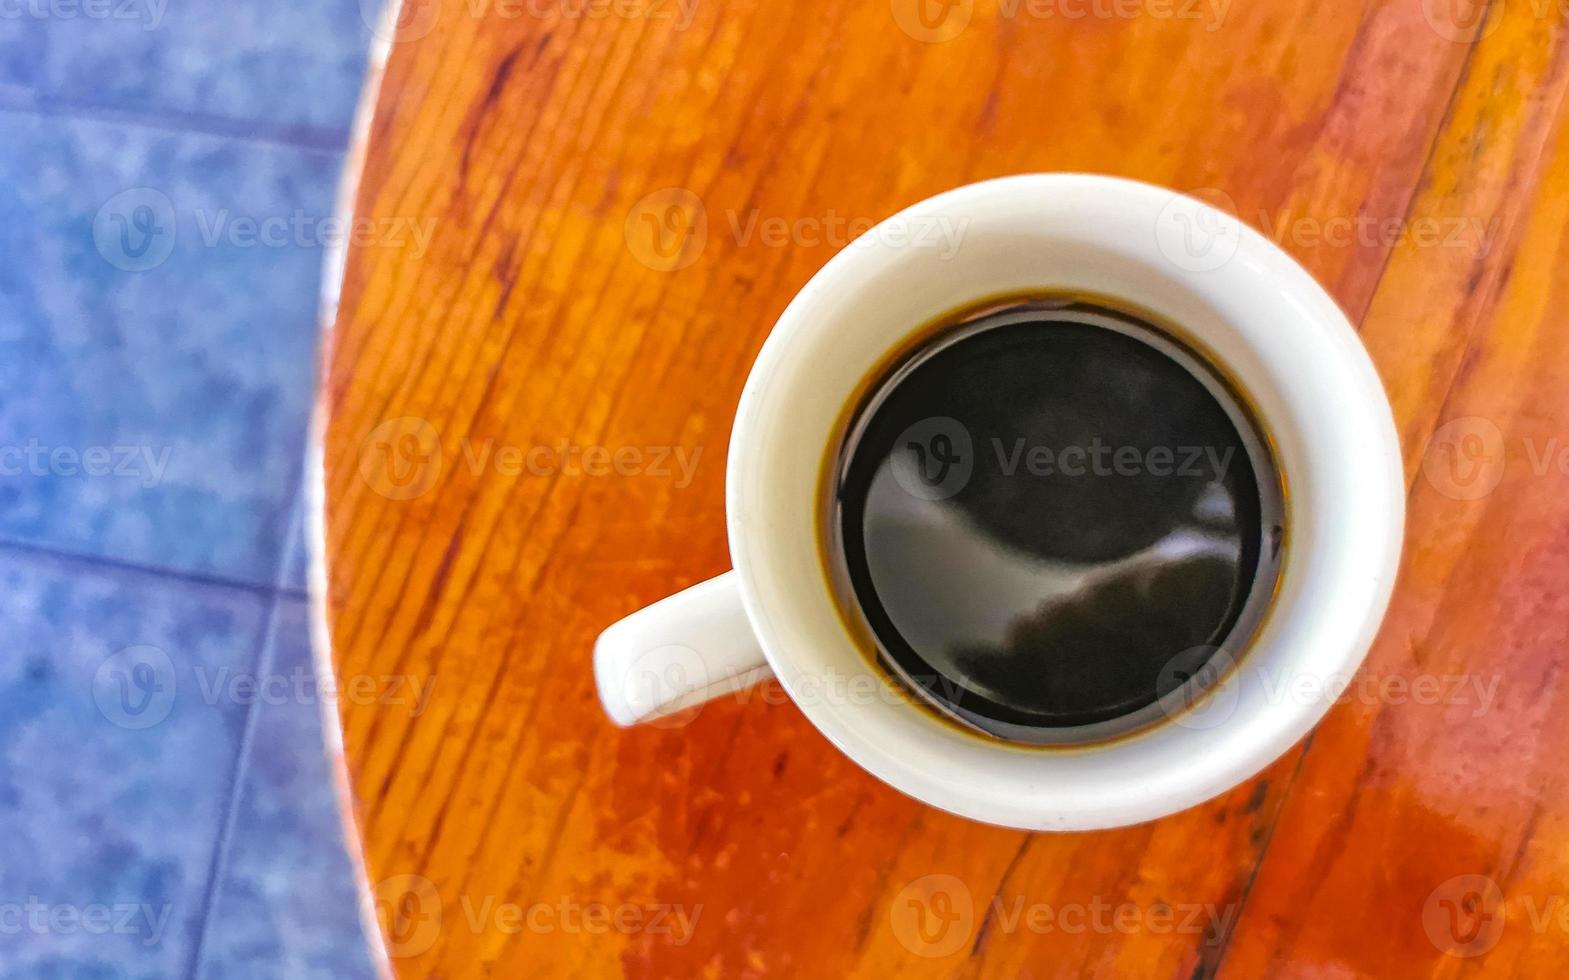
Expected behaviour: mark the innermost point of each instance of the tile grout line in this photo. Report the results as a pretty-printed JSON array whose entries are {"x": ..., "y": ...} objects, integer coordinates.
[
  {"x": 311, "y": 139},
  {"x": 262, "y": 660},
  {"x": 110, "y": 563}
]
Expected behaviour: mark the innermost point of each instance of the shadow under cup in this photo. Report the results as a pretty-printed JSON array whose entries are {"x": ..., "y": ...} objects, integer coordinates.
[{"x": 1054, "y": 522}]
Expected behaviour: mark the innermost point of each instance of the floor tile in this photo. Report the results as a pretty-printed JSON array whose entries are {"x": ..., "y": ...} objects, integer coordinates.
[
  {"x": 286, "y": 63},
  {"x": 296, "y": 570},
  {"x": 117, "y": 741},
  {"x": 286, "y": 905},
  {"x": 158, "y": 352}
]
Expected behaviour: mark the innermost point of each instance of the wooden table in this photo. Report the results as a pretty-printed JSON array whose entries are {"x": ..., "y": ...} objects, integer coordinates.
[{"x": 623, "y": 197}]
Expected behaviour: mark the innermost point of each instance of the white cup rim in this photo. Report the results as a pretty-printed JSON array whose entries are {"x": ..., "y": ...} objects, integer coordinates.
[{"x": 1249, "y": 306}]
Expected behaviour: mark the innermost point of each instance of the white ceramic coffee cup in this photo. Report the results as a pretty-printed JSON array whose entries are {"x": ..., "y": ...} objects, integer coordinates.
[{"x": 1272, "y": 330}]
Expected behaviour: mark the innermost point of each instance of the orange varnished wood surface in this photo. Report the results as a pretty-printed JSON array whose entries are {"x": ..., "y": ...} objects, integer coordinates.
[{"x": 1411, "y": 154}]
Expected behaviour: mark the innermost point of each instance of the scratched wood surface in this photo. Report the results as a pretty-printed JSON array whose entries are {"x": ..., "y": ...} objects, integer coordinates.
[{"x": 620, "y": 199}]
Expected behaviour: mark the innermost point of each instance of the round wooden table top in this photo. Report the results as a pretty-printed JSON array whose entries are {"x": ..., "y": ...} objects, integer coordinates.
[{"x": 576, "y": 222}]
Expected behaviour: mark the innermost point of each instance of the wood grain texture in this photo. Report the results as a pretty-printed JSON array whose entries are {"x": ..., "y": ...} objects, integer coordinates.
[{"x": 1409, "y": 153}]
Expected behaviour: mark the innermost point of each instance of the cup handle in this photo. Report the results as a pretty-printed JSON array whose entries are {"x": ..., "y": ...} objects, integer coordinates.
[{"x": 682, "y": 651}]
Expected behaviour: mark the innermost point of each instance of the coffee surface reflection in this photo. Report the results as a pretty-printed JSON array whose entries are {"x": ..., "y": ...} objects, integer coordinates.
[{"x": 1050, "y": 518}]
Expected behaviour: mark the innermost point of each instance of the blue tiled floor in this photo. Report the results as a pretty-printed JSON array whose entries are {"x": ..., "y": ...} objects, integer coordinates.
[
  {"x": 157, "y": 363},
  {"x": 114, "y": 771},
  {"x": 197, "y": 370},
  {"x": 289, "y": 67}
]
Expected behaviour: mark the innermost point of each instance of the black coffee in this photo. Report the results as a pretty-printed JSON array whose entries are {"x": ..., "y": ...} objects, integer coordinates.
[{"x": 1050, "y": 517}]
